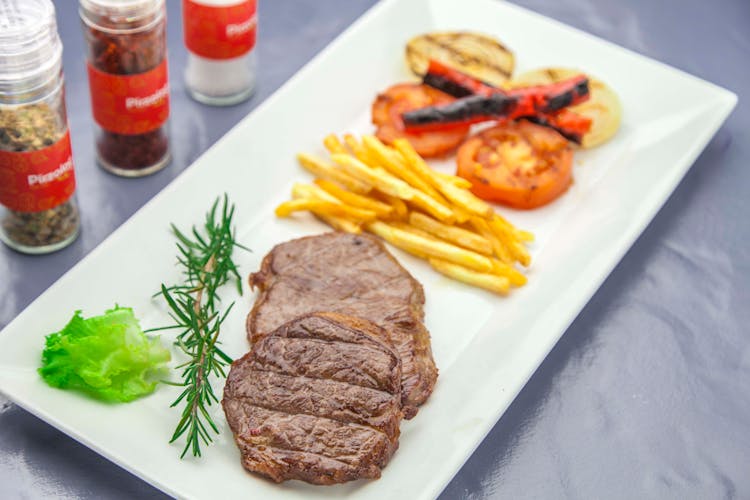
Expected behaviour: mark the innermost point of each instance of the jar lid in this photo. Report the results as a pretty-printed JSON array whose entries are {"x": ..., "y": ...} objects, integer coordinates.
[
  {"x": 29, "y": 42},
  {"x": 121, "y": 15}
]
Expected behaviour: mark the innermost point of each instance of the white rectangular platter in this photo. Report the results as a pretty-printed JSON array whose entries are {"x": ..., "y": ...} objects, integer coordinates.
[{"x": 485, "y": 346}]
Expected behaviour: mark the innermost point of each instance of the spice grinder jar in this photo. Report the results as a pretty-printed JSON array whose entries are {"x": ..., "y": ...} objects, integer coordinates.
[
  {"x": 129, "y": 85},
  {"x": 220, "y": 37},
  {"x": 38, "y": 207}
]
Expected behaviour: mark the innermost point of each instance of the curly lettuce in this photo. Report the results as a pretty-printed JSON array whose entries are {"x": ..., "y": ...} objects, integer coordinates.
[{"x": 107, "y": 356}]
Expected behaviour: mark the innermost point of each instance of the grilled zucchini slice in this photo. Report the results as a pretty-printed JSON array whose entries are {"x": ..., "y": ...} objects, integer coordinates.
[{"x": 475, "y": 54}]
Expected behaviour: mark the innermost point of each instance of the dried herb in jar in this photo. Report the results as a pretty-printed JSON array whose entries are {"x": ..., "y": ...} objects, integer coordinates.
[
  {"x": 38, "y": 208},
  {"x": 35, "y": 127},
  {"x": 25, "y": 128},
  {"x": 39, "y": 229}
]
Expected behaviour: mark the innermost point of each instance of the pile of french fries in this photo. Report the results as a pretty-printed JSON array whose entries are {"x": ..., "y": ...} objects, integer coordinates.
[{"x": 392, "y": 193}]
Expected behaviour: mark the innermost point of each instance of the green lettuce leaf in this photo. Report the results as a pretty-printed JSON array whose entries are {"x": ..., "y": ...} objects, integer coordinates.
[{"x": 107, "y": 356}]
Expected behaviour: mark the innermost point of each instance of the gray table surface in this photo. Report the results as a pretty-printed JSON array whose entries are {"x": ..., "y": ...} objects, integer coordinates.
[{"x": 646, "y": 395}]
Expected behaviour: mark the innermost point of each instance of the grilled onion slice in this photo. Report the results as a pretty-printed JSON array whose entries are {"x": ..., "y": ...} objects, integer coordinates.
[
  {"x": 480, "y": 56},
  {"x": 603, "y": 107}
]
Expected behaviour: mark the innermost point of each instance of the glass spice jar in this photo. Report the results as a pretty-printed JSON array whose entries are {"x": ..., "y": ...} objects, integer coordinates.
[
  {"x": 38, "y": 207},
  {"x": 127, "y": 67},
  {"x": 220, "y": 37}
]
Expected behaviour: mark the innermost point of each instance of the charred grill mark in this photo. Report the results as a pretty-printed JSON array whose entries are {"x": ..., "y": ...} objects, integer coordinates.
[
  {"x": 558, "y": 102},
  {"x": 565, "y": 99},
  {"x": 446, "y": 85},
  {"x": 462, "y": 110},
  {"x": 571, "y": 136},
  {"x": 268, "y": 365},
  {"x": 467, "y": 59},
  {"x": 582, "y": 88},
  {"x": 347, "y": 465},
  {"x": 552, "y": 74},
  {"x": 275, "y": 413},
  {"x": 247, "y": 401},
  {"x": 293, "y": 333}
]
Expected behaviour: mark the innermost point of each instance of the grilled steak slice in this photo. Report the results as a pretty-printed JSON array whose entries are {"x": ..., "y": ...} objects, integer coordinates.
[
  {"x": 318, "y": 399},
  {"x": 353, "y": 275}
]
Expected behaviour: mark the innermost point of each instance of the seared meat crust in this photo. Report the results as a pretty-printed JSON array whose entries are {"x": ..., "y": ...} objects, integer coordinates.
[
  {"x": 353, "y": 275},
  {"x": 318, "y": 399}
]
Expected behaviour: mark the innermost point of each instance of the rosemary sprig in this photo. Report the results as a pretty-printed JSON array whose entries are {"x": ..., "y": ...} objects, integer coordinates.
[{"x": 206, "y": 260}]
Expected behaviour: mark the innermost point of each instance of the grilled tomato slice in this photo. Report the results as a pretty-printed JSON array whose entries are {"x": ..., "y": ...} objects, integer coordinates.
[
  {"x": 518, "y": 164},
  {"x": 402, "y": 97}
]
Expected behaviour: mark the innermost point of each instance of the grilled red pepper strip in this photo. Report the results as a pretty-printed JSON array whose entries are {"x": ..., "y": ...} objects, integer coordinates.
[
  {"x": 568, "y": 124},
  {"x": 529, "y": 101},
  {"x": 547, "y": 98},
  {"x": 464, "y": 111},
  {"x": 571, "y": 125},
  {"x": 556, "y": 96}
]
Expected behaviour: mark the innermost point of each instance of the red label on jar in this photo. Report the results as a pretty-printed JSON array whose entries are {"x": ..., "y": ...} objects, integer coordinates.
[
  {"x": 220, "y": 32},
  {"x": 33, "y": 181},
  {"x": 130, "y": 104}
]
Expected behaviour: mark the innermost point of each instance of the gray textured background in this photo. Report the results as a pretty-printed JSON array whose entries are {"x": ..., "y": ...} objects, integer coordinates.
[{"x": 646, "y": 395}]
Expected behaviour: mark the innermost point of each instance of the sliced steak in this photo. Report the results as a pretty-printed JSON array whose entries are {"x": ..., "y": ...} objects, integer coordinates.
[
  {"x": 353, "y": 275},
  {"x": 318, "y": 399}
]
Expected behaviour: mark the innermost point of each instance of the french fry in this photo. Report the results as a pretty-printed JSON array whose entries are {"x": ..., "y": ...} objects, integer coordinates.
[
  {"x": 287, "y": 208},
  {"x": 420, "y": 168},
  {"x": 333, "y": 144},
  {"x": 454, "y": 179},
  {"x": 491, "y": 282},
  {"x": 352, "y": 143},
  {"x": 353, "y": 199},
  {"x": 453, "y": 234},
  {"x": 519, "y": 234},
  {"x": 360, "y": 152},
  {"x": 461, "y": 197},
  {"x": 324, "y": 208},
  {"x": 461, "y": 215},
  {"x": 391, "y": 185},
  {"x": 300, "y": 190},
  {"x": 393, "y": 193},
  {"x": 340, "y": 224},
  {"x": 483, "y": 228},
  {"x": 415, "y": 251},
  {"x": 314, "y": 192},
  {"x": 464, "y": 199},
  {"x": 379, "y": 179},
  {"x": 514, "y": 275},
  {"x": 524, "y": 236},
  {"x": 393, "y": 162},
  {"x": 324, "y": 170},
  {"x": 400, "y": 210},
  {"x": 433, "y": 207},
  {"x": 429, "y": 246},
  {"x": 405, "y": 226},
  {"x": 504, "y": 231},
  {"x": 520, "y": 253}
]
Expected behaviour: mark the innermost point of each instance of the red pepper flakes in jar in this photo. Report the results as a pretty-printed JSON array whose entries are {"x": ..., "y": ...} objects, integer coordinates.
[{"x": 127, "y": 66}]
